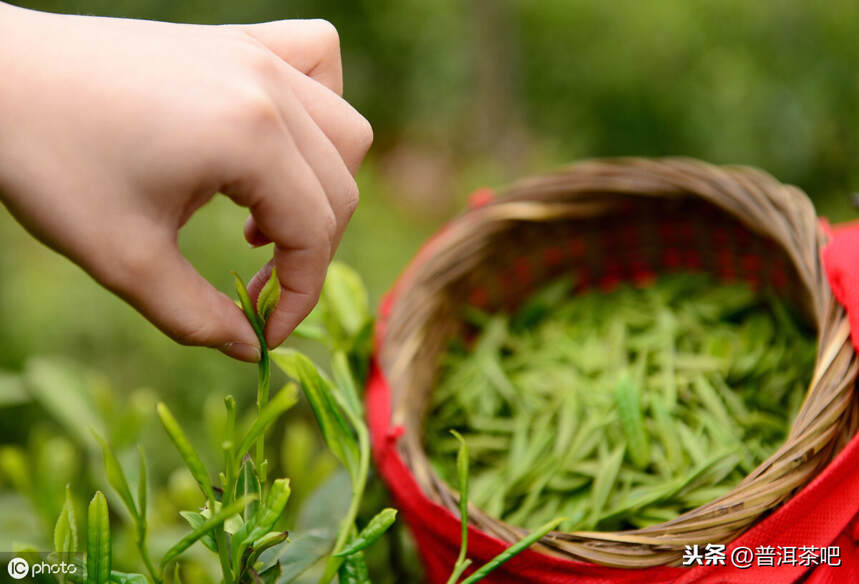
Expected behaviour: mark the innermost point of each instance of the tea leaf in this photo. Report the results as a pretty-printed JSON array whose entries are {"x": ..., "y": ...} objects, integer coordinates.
[
  {"x": 210, "y": 523},
  {"x": 189, "y": 455},
  {"x": 374, "y": 529},
  {"x": 353, "y": 570},
  {"x": 270, "y": 575},
  {"x": 268, "y": 297},
  {"x": 265, "y": 518},
  {"x": 285, "y": 399},
  {"x": 462, "y": 562},
  {"x": 346, "y": 298},
  {"x": 98, "y": 541},
  {"x": 345, "y": 384},
  {"x": 66, "y": 529},
  {"x": 335, "y": 430},
  {"x": 513, "y": 551},
  {"x": 248, "y": 484},
  {"x": 604, "y": 482},
  {"x": 247, "y": 306},
  {"x": 682, "y": 370},
  {"x": 268, "y": 541},
  {"x": 195, "y": 520},
  {"x": 628, "y": 403},
  {"x": 116, "y": 477}
]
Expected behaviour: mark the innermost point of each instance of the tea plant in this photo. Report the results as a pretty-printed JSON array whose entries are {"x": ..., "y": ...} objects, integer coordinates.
[{"x": 241, "y": 521}]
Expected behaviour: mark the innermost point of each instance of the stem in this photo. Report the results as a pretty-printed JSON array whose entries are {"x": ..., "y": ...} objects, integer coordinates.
[
  {"x": 150, "y": 567},
  {"x": 263, "y": 389},
  {"x": 358, "y": 486},
  {"x": 230, "y": 478},
  {"x": 144, "y": 553},
  {"x": 223, "y": 555},
  {"x": 229, "y": 451}
]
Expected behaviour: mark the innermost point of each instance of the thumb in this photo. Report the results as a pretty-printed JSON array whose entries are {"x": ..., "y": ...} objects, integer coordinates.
[{"x": 164, "y": 287}]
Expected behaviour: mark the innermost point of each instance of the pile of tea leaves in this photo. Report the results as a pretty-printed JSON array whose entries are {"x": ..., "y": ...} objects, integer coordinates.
[{"x": 623, "y": 409}]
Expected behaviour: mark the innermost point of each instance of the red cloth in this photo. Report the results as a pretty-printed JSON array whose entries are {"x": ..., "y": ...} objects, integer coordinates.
[{"x": 825, "y": 513}]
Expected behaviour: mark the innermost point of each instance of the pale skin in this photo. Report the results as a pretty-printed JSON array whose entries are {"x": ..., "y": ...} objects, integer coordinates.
[{"x": 113, "y": 132}]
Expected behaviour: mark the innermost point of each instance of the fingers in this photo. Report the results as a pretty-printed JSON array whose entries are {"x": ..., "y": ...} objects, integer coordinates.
[
  {"x": 348, "y": 130},
  {"x": 304, "y": 194},
  {"x": 158, "y": 281},
  {"x": 253, "y": 235},
  {"x": 311, "y": 46},
  {"x": 349, "y": 133},
  {"x": 291, "y": 207},
  {"x": 310, "y": 52}
]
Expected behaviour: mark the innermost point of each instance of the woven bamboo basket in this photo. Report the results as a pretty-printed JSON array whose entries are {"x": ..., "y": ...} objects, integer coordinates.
[{"x": 626, "y": 220}]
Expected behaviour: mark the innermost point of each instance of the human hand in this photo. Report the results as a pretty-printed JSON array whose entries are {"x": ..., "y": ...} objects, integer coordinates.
[{"x": 114, "y": 132}]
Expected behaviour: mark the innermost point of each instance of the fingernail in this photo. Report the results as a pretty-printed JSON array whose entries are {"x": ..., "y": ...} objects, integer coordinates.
[{"x": 242, "y": 352}]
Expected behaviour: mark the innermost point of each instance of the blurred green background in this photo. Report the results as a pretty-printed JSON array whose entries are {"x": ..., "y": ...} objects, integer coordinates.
[{"x": 461, "y": 94}]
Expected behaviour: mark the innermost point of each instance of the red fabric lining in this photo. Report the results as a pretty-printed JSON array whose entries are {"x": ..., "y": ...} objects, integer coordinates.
[{"x": 822, "y": 514}]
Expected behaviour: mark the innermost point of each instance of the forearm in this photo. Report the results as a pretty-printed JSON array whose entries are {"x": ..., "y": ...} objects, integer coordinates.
[{"x": 18, "y": 84}]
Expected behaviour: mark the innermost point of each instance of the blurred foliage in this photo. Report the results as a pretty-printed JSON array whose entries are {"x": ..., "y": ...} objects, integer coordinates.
[{"x": 461, "y": 93}]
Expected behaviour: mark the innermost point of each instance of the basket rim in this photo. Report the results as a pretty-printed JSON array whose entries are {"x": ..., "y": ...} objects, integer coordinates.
[{"x": 836, "y": 363}]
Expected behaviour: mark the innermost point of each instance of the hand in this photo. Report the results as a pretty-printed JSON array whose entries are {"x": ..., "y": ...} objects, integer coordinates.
[{"x": 114, "y": 132}]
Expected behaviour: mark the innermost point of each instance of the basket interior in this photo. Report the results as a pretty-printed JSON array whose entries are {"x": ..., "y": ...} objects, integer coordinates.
[
  {"x": 496, "y": 256},
  {"x": 636, "y": 239}
]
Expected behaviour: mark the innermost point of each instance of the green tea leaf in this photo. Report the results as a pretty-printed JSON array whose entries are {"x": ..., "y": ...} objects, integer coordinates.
[
  {"x": 345, "y": 384},
  {"x": 270, "y": 575},
  {"x": 265, "y": 518},
  {"x": 116, "y": 477},
  {"x": 189, "y": 455},
  {"x": 66, "y": 530},
  {"x": 268, "y": 297},
  {"x": 346, "y": 298},
  {"x": 513, "y": 551},
  {"x": 335, "y": 429},
  {"x": 195, "y": 520},
  {"x": 215, "y": 520},
  {"x": 375, "y": 529},
  {"x": 462, "y": 474},
  {"x": 285, "y": 399},
  {"x": 604, "y": 482},
  {"x": 248, "y": 484},
  {"x": 248, "y": 306},
  {"x": 353, "y": 570},
  {"x": 628, "y": 404},
  {"x": 98, "y": 541},
  {"x": 266, "y": 542}
]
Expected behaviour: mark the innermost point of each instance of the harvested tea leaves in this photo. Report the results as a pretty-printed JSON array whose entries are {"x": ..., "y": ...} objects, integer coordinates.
[{"x": 620, "y": 409}]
